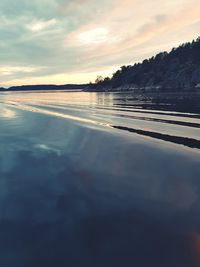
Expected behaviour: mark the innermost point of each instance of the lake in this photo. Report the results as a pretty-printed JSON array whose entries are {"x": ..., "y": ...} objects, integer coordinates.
[{"x": 99, "y": 180}]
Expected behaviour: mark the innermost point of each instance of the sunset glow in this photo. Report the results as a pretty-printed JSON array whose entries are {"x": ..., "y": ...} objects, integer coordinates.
[{"x": 59, "y": 41}]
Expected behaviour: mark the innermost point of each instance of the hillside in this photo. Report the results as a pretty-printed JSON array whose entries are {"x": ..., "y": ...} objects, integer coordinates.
[{"x": 178, "y": 69}]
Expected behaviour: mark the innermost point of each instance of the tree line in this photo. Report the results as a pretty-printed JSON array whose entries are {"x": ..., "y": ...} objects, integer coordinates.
[{"x": 179, "y": 68}]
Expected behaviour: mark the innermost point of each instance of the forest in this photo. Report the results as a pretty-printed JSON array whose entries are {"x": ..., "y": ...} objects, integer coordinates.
[{"x": 178, "y": 69}]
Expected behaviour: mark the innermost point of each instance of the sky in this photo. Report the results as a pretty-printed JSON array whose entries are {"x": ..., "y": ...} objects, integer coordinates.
[{"x": 65, "y": 41}]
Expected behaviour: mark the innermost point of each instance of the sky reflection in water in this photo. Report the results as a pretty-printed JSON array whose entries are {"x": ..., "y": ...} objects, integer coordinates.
[{"x": 72, "y": 194}]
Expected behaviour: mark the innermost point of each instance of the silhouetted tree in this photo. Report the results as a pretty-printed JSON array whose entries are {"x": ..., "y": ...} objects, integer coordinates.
[{"x": 178, "y": 68}]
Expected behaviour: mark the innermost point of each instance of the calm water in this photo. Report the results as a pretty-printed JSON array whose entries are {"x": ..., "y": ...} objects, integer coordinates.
[{"x": 98, "y": 180}]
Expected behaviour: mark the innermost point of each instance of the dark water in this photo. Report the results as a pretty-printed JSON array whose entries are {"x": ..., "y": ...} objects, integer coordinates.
[{"x": 98, "y": 180}]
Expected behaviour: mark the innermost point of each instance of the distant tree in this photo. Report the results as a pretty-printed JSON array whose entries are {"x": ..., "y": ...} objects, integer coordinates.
[{"x": 99, "y": 79}]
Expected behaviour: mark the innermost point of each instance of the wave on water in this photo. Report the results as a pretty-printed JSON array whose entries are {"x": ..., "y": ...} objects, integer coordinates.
[{"x": 177, "y": 127}]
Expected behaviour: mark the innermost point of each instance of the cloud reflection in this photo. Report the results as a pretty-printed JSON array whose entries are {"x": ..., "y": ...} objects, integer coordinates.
[{"x": 7, "y": 113}]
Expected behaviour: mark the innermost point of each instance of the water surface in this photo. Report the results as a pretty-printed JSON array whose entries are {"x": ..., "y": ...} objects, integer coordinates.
[{"x": 98, "y": 179}]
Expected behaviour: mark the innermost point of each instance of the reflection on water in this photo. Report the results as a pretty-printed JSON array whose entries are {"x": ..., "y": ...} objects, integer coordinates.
[
  {"x": 7, "y": 113},
  {"x": 76, "y": 190},
  {"x": 119, "y": 111}
]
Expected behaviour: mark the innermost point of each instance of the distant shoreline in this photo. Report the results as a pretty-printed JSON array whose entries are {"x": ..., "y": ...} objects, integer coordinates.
[
  {"x": 84, "y": 88},
  {"x": 152, "y": 89},
  {"x": 45, "y": 87},
  {"x": 41, "y": 90}
]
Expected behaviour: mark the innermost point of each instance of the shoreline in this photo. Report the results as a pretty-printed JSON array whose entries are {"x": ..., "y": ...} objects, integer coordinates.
[{"x": 136, "y": 90}]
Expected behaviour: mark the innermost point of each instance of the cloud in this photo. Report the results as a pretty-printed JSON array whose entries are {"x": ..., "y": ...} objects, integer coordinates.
[
  {"x": 95, "y": 36},
  {"x": 40, "y": 25},
  {"x": 9, "y": 70},
  {"x": 43, "y": 40},
  {"x": 158, "y": 27}
]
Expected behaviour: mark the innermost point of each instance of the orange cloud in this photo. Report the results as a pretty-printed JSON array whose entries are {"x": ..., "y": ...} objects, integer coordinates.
[{"x": 127, "y": 29}]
